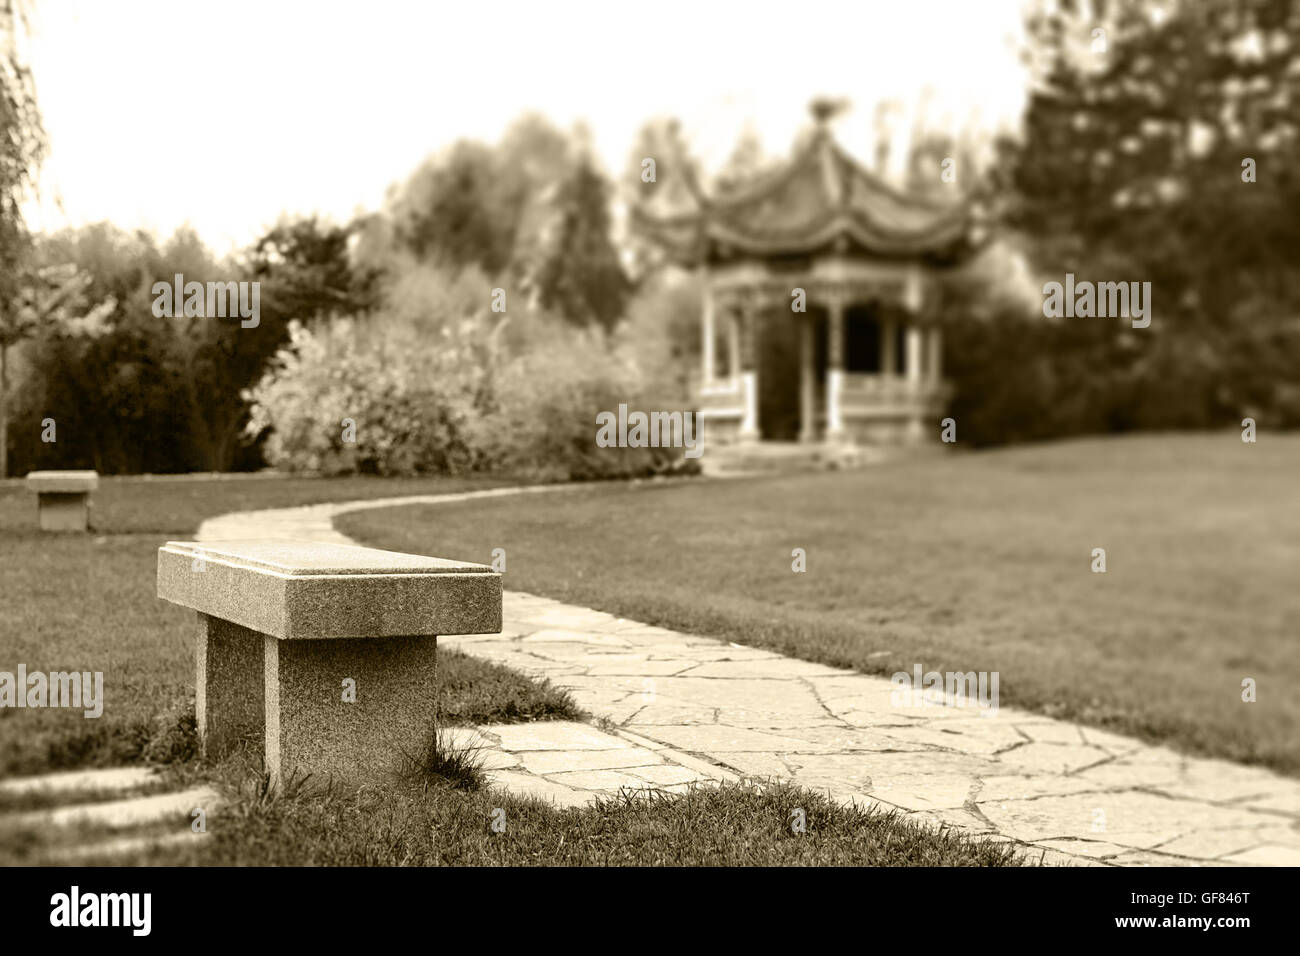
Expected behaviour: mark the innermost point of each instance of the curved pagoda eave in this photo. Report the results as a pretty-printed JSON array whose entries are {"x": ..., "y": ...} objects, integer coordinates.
[
  {"x": 721, "y": 247},
  {"x": 944, "y": 244},
  {"x": 822, "y": 202}
]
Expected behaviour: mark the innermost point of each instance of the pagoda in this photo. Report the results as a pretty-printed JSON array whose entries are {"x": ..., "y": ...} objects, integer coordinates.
[{"x": 816, "y": 280}]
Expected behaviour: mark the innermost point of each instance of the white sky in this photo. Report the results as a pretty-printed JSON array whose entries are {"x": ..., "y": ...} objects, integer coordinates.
[{"x": 224, "y": 114}]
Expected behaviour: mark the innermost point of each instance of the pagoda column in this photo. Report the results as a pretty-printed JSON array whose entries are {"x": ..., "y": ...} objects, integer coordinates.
[
  {"x": 749, "y": 369},
  {"x": 914, "y": 343},
  {"x": 934, "y": 368},
  {"x": 707, "y": 356},
  {"x": 913, "y": 299},
  {"x": 889, "y": 347},
  {"x": 834, "y": 366},
  {"x": 807, "y": 381},
  {"x": 914, "y": 432},
  {"x": 733, "y": 347}
]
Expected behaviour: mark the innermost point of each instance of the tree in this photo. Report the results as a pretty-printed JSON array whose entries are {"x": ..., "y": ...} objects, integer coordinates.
[
  {"x": 471, "y": 203},
  {"x": 22, "y": 147},
  {"x": 660, "y": 149},
  {"x": 453, "y": 209},
  {"x": 305, "y": 269},
  {"x": 533, "y": 211},
  {"x": 746, "y": 163},
  {"x": 52, "y": 303},
  {"x": 1133, "y": 166},
  {"x": 578, "y": 273},
  {"x": 148, "y": 393}
]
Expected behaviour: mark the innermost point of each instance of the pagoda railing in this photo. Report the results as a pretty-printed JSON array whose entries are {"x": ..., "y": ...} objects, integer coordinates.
[
  {"x": 874, "y": 393},
  {"x": 723, "y": 397}
]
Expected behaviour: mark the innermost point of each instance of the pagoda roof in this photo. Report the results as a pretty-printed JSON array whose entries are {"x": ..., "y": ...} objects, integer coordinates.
[{"x": 821, "y": 200}]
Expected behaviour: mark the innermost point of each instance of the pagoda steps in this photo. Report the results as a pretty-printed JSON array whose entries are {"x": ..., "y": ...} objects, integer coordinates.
[{"x": 772, "y": 457}]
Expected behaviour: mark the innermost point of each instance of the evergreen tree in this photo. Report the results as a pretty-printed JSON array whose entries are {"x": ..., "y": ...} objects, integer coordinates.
[{"x": 1134, "y": 165}]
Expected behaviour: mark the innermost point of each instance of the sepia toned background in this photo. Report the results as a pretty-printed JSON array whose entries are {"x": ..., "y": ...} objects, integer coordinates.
[{"x": 462, "y": 263}]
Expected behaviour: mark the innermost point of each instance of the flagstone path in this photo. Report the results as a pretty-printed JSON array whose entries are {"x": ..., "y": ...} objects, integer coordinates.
[{"x": 676, "y": 709}]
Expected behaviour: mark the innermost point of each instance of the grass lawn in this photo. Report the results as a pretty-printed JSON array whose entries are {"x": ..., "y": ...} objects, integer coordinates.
[
  {"x": 87, "y": 603},
  {"x": 174, "y": 506},
  {"x": 433, "y": 825},
  {"x": 966, "y": 562},
  {"x": 79, "y": 603}
]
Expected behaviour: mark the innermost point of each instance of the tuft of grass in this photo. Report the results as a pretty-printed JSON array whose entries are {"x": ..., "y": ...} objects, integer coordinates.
[
  {"x": 448, "y": 763},
  {"x": 258, "y": 796},
  {"x": 607, "y": 725},
  {"x": 175, "y": 738}
]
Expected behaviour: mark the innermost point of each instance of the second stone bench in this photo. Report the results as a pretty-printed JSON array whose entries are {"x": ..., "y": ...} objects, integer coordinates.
[
  {"x": 63, "y": 498},
  {"x": 322, "y": 655}
]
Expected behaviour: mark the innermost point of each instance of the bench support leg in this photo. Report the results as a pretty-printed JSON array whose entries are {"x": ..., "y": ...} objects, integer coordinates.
[
  {"x": 348, "y": 710},
  {"x": 63, "y": 512},
  {"x": 228, "y": 686}
]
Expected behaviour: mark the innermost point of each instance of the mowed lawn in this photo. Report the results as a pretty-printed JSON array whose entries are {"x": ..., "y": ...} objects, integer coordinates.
[
  {"x": 968, "y": 561},
  {"x": 171, "y": 506}
]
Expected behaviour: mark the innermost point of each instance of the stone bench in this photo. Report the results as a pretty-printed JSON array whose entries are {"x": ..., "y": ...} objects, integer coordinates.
[
  {"x": 285, "y": 628},
  {"x": 63, "y": 498}
]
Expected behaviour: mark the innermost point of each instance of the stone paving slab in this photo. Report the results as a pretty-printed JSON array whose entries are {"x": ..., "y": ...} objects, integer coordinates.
[
  {"x": 85, "y": 782},
  {"x": 721, "y": 710},
  {"x": 121, "y": 814},
  {"x": 120, "y": 846},
  {"x": 571, "y": 763}
]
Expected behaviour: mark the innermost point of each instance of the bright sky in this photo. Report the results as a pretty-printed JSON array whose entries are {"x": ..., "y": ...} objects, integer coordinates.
[{"x": 223, "y": 114}]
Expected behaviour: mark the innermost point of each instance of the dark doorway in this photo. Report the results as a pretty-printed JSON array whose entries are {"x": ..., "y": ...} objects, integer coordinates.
[
  {"x": 862, "y": 340},
  {"x": 778, "y": 377}
]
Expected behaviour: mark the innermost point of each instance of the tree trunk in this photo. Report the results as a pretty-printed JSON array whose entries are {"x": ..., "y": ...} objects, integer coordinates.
[{"x": 4, "y": 413}]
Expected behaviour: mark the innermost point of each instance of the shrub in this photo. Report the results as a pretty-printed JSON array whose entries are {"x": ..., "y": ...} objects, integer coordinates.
[
  {"x": 435, "y": 382},
  {"x": 340, "y": 399},
  {"x": 543, "y": 420}
]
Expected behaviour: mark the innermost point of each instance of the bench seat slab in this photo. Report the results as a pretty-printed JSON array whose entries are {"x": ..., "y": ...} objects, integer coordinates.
[
  {"x": 317, "y": 591},
  {"x": 62, "y": 482}
]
